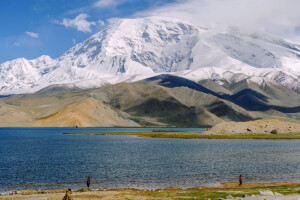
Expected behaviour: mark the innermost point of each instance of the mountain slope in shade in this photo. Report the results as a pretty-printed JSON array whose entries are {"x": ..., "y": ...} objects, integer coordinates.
[
  {"x": 247, "y": 94},
  {"x": 134, "y": 49},
  {"x": 267, "y": 92},
  {"x": 148, "y": 100}
]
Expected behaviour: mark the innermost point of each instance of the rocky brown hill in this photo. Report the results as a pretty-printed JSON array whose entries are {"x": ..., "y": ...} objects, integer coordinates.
[{"x": 163, "y": 100}]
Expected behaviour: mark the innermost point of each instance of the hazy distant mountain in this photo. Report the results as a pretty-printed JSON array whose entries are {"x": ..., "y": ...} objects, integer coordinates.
[{"x": 134, "y": 49}]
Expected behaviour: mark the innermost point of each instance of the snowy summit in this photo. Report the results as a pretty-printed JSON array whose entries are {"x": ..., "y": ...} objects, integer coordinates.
[{"x": 134, "y": 49}]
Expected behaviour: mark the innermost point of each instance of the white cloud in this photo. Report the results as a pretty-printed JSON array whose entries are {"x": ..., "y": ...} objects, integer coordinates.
[
  {"x": 113, "y": 20},
  {"x": 31, "y": 34},
  {"x": 105, "y": 3},
  {"x": 101, "y": 22},
  {"x": 108, "y": 3},
  {"x": 80, "y": 23},
  {"x": 279, "y": 17},
  {"x": 74, "y": 41}
]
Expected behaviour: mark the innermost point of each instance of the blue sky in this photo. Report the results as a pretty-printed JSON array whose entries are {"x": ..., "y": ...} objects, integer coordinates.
[{"x": 31, "y": 28}]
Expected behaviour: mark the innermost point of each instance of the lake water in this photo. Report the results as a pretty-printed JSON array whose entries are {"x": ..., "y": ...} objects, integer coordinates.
[{"x": 43, "y": 158}]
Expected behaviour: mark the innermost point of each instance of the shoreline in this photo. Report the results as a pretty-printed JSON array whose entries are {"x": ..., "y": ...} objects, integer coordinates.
[
  {"x": 199, "y": 135},
  {"x": 277, "y": 189}
]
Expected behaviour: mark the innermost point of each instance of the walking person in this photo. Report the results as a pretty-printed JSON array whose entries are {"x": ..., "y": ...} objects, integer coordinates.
[
  {"x": 88, "y": 182},
  {"x": 241, "y": 180}
]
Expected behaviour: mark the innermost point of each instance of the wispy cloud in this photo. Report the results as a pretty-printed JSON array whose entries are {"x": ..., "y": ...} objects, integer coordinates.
[
  {"x": 31, "y": 34},
  {"x": 280, "y": 17},
  {"x": 101, "y": 22},
  {"x": 79, "y": 22},
  {"x": 108, "y": 3}
]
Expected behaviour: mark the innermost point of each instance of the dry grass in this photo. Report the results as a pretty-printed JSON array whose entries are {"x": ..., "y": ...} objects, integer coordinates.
[{"x": 169, "y": 193}]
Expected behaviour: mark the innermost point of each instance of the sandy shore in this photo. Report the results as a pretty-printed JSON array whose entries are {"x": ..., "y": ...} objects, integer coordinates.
[
  {"x": 279, "y": 191},
  {"x": 263, "y": 126}
]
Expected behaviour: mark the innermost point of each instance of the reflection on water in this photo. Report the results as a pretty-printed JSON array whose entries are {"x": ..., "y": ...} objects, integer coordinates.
[{"x": 45, "y": 158}]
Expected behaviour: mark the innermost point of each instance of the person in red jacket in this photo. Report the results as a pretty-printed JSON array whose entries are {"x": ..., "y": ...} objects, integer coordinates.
[{"x": 240, "y": 180}]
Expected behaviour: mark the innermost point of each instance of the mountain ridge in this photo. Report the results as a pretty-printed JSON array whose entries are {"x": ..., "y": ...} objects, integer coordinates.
[{"x": 163, "y": 100}]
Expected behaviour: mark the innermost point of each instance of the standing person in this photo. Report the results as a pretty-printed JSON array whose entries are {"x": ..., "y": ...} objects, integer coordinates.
[
  {"x": 241, "y": 180},
  {"x": 88, "y": 182}
]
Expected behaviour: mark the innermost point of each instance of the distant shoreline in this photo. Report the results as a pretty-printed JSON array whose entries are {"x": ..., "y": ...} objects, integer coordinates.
[
  {"x": 116, "y": 127},
  {"x": 199, "y": 135}
]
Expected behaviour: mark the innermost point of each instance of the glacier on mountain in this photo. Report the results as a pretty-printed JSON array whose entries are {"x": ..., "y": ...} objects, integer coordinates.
[{"x": 135, "y": 49}]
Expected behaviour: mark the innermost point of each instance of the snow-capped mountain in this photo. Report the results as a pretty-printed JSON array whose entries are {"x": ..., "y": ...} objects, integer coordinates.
[{"x": 134, "y": 49}]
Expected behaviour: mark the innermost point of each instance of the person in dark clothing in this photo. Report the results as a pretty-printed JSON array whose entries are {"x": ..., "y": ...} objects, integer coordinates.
[
  {"x": 88, "y": 182},
  {"x": 241, "y": 180}
]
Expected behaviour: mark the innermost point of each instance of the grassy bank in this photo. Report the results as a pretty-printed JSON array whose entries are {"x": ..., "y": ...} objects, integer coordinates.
[
  {"x": 199, "y": 193},
  {"x": 197, "y": 135}
]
